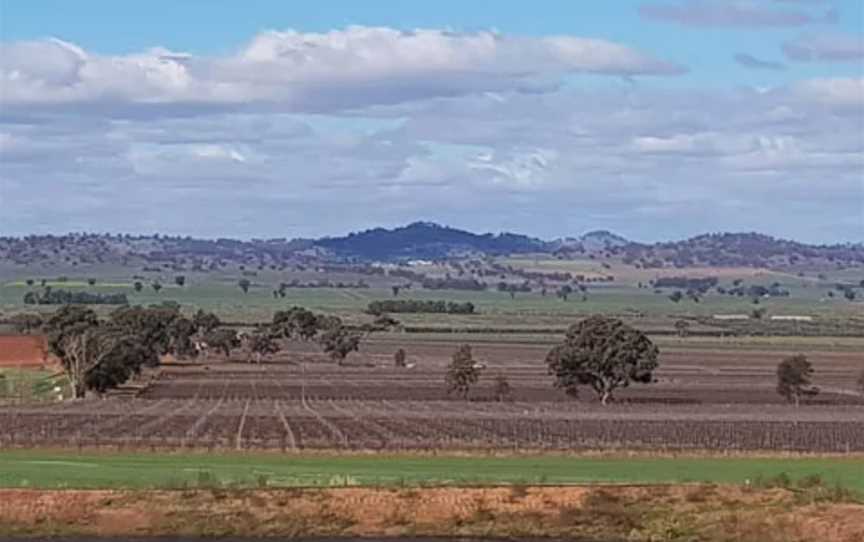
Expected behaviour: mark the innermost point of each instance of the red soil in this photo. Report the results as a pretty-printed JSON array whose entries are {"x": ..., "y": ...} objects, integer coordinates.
[{"x": 24, "y": 351}]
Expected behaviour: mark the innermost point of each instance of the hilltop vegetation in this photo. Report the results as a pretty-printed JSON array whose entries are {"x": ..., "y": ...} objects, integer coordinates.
[
  {"x": 742, "y": 250},
  {"x": 419, "y": 241}
]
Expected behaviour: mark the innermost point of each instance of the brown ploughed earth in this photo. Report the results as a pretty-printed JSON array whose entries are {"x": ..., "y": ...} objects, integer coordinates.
[
  {"x": 24, "y": 351},
  {"x": 706, "y": 513}
]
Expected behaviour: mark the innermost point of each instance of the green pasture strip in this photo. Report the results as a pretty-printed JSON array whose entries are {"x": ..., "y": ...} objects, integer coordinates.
[
  {"x": 28, "y": 384},
  {"x": 105, "y": 470}
]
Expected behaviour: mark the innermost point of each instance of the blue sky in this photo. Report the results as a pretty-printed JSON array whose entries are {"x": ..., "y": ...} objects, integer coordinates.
[{"x": 697, "y": 108}]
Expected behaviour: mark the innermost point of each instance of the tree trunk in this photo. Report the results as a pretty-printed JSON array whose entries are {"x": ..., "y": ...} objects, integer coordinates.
[
  {"x": 604, "y": 398},
  {"x": 79, "y": 390}
]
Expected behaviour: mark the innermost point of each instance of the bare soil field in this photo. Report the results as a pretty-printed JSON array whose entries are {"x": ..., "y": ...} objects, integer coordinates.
[
  {"x": 24, "y": 351},
  {"x": 703, "y": 400},
  {"x": 596, "y": 514}
]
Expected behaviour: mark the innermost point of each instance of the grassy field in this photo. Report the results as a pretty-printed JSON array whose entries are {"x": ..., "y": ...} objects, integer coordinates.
[
  {"x": 495, "y": 308},
  {"x": 218, "y": 292},
  {"x": 50, "y": 469},
  {"x": 28, "y": 385}
]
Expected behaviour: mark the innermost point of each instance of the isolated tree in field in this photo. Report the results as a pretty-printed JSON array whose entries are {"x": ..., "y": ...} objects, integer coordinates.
[
  {"x": 156, "y": 286},
  {"x": 503, "y": 389},
  {"x": 757, "y": 314},
  {"x": 463, "y": 372},
  {"x": 43, "y": 282},
  {"x": 26, "y": 323},
  {"x": 222, "y": 339},
  {"x": 676, "y": 296},
  {"x": 565, "y": 291},
  {"x": 603, "y": 353},
  {"x": 793, "y": 379},
  {"x": 244, "y": 285},
  {"x": 395, "y": 290},
  {"x": 138, "y": 285},
  {"x": 849, "y": 294},
  {"x": 180, "y": 280},
  {"x": 91, "y": 282},
  {"x": 400, "y": 358},
  {"x": 860, "y": 382},
  {"x": 338, "y": 342},
  {"x": 682, "y": 327},
  {"x": 29, "y": 282}
]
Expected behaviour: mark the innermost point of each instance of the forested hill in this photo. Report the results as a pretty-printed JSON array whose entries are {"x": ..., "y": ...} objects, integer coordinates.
[
  {"x": 423, "y": 240},
  {"x": 430, "y": 241},
  {"x": 741, "y": 250}
]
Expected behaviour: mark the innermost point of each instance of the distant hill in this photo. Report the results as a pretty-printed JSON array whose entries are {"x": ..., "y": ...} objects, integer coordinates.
[
  {"x": 593, "y": 241},
  {"x": 603, "y": 239},
  {"x": 740, "y": 250},
  {"x": 420, "y": 240},
  {"x": 427, "y": 240}
]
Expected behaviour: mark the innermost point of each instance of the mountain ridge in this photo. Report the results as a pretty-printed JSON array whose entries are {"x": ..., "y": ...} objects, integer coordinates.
[{"x": 424, "y": 240}]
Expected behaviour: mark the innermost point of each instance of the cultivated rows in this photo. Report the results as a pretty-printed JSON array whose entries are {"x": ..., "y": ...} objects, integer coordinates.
[
  {"x": 289, "y": 424},
  {"x": 283, "y": 405}
]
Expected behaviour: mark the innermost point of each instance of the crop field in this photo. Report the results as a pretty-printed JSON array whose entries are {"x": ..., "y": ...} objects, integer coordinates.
[{"x": 704, "y": 399}]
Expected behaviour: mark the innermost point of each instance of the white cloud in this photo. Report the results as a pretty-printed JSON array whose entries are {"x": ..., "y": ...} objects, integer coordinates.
[
  {"x": 836, "y": 91},
  {"x": 177, "y": 143},
  {"x": 826, "y": 48},
  {"x": 296, "y": 72}
]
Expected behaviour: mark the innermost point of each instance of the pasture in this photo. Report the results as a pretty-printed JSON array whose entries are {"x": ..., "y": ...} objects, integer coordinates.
[{"x": 218, "y": 292}]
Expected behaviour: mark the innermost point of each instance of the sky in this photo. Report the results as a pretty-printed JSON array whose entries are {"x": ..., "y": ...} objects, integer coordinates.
[{"x": 656, "y": 119}]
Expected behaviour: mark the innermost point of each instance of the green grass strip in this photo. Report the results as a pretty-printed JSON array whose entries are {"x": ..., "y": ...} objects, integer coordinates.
[{"x": 97, "y": 470}]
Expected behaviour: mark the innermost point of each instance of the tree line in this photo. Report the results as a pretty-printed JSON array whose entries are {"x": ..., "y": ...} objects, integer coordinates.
[
  {"x": 50, "y": 296},
  {"x": 98, "y": 354},
  {"x": 419, "y": 306}
]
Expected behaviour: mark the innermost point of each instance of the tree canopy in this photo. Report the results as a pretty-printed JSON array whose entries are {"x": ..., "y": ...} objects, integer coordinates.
[
  {"x": 603, "y": 353},
  {"x": 95, "y": 355},
  {"x": 793, "y": 378},
  {"x": 463, "y": 372}
]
